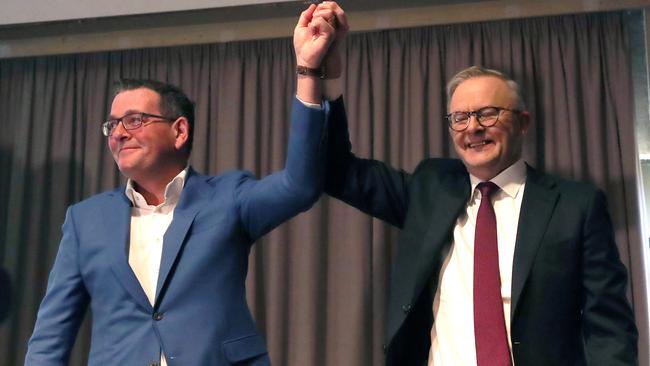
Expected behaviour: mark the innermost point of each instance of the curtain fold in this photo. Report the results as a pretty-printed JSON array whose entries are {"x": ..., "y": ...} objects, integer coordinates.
[{"x": 317, "y": 285}]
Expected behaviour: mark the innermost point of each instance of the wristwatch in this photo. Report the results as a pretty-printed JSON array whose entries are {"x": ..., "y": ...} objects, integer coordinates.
[{"x": 304, "y": 70}]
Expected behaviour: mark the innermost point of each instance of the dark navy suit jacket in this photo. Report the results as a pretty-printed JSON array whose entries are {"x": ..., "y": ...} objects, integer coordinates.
[{"x": 200, "y": 316}]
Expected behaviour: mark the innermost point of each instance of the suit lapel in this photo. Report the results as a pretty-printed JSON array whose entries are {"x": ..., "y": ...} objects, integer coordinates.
[
  {"x": 117, "y": 218},
  {"x": 448, "y": 204},
  {"x": 432, "y": 213},
  {"x": 537, "y": 208},
  {"x": 193, "y": 198}
]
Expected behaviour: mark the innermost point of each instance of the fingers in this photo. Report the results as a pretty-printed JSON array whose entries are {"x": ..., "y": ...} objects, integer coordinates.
[
  {"x": 342, "y": 19},
  {"x": 318, "y": 32},
  {"x": 306, "y": 16},
  {"x": 320, "y": 27},
  {"x": 331, "y": 10},
  {"x": 328, "y": 15},
  {"x": 325, "y": 13},
  {"x": 336, "y": 17}
]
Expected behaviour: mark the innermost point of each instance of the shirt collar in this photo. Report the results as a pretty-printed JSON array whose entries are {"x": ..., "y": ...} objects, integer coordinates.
[
  {"x": 172, "y": 191},
  {"x": 510, "y": 180}
]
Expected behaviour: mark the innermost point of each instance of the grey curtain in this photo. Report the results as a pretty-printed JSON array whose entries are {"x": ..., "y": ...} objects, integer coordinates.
[{"x": 317, "y": 285}]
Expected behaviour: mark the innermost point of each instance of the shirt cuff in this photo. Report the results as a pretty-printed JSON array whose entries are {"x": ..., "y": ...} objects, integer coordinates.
[{"x": 310, "y": 105}]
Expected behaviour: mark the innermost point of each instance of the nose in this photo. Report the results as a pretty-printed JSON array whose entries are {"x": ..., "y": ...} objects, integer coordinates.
[
  {"x": 473, "y": 124},
  {"x": 117, "y": 137},
  {"x": 119, "y": 132}
]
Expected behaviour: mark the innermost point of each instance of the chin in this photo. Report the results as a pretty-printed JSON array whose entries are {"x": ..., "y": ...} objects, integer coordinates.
[
  {"x": 125, "y": 168},
  {"x": 479, "y": 161},
  {"x": 482, "y": 169}
]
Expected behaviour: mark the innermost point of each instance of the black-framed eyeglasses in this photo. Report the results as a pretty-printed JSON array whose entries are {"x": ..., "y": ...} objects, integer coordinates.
[
  {"x": 132, "y": 121},
  {"x": 486, "y": 117}
]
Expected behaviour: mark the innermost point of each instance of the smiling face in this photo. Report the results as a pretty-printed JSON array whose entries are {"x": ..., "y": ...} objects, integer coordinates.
[
  {"x": 151, "y": 150},
  {"x": 487, "y": 151}
]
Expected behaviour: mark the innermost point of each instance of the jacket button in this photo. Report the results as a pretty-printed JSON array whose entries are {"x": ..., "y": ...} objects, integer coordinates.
[
  {"x": 153, "y": 364},
  {"x": 406, "y": 308},
  {"x": 157, "y": 316},
  {"x": 384, "y": 348}
]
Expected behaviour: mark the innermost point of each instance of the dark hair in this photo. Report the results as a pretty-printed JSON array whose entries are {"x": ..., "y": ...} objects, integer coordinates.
[{"x": 173, "y": 101}]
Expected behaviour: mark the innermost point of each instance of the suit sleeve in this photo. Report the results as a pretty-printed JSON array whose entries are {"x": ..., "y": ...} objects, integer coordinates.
[
  {"x": 369, "y": 185},
  {"x": 609, "y": 332},
  {"x": 266, "y": 203},
  {"x": 63, "y": 306}
]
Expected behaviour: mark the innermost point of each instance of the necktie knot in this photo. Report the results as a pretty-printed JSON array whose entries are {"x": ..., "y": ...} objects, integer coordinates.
[{"x": 487, "y": 188}]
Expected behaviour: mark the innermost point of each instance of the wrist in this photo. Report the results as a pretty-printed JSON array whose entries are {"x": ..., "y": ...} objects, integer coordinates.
[
  {"x": 309, "y": 89},
  {"x": 305, "y": 71}
]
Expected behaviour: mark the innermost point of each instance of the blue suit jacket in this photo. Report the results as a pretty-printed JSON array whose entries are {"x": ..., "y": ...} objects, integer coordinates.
[{"x": 200, "y": 316}]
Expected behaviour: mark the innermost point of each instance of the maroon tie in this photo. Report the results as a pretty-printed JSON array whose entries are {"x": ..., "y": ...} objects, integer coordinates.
[{"x": 489, "y": 325}]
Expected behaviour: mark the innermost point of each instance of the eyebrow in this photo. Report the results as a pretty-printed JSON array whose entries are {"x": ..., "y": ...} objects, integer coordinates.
[{"x": 129, "y": 111}]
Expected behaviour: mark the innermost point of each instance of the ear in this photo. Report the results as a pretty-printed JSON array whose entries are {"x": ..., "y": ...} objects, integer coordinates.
[
  {"x": 524, "y": 122},
  {"x": 181, "y": 128}
]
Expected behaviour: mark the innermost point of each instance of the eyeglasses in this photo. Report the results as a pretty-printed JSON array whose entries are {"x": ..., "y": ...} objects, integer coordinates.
[
  {"x": 486, "y": 117},
  {"x": 131, "y": 121}
]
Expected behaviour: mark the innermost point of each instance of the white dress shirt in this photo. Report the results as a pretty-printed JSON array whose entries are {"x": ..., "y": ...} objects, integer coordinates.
[
  {"x": 452, "y": 334},
  {"x": 148, "y": 226}
]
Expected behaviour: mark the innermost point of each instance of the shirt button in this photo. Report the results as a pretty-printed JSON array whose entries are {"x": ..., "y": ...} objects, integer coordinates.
[{"x": 157, "y": 316}]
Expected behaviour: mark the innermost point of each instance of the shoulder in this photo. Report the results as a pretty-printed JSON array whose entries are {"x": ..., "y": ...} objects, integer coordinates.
[
  {"x": 228, "y": 183},
  {"x": 569, "y": 189},
  {"x": 439, "y": 168},
  {"x": 561, "y": 183},
  {"x": 100, "y": 199},
  {"x": 95, "y": 207},
  {"x": 230, "y": 177},
  {"x": 439, "y": 175},
  {"x": 443, "y": 165}
]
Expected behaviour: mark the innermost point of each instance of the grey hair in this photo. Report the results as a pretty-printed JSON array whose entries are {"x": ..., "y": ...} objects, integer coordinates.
[{"x": 476, "y": 71}]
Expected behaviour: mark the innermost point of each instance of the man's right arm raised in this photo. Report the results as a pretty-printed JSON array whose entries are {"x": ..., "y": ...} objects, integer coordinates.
[{"x": 369, "y": 185}]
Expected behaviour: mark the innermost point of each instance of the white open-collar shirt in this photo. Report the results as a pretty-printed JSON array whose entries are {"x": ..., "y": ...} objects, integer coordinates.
[{"x": 148, "y": 226}]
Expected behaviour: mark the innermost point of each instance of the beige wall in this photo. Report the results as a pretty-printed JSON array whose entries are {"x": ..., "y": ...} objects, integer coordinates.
[
  {"x": 33, "y": 11},
  {"x": 264, "y": 22}
]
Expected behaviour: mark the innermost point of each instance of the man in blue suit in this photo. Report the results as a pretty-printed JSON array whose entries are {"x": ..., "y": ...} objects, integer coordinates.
[{"x": 162, "y": 262}]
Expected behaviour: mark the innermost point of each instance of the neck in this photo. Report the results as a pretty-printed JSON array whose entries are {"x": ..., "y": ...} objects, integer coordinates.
[
  {"x": 486, "y": 173},
  {"x": 153, "y": 188}
]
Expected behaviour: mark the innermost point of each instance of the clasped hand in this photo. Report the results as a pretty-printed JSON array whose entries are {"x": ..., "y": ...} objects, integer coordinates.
[{"x": 320, "y": 28}]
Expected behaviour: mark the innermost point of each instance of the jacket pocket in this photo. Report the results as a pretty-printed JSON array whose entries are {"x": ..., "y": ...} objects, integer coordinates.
[{"x": 244, "y": 348}]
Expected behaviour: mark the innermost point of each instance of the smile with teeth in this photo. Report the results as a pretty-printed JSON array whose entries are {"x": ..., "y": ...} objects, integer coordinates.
[{"x": 472, "y": 145}]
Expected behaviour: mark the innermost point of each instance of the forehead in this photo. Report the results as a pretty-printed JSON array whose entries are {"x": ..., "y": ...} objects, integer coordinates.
[
  {"x": 135, "y": 100},
  {"x": 481, "y": 91}
]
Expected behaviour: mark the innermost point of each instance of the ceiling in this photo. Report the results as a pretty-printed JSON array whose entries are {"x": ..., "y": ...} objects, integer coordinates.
[{"x": 193, "y": 17}]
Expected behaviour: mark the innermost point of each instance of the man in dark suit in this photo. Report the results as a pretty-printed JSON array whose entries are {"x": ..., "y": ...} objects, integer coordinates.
[
  {"x": 162, "y": 262},
  {"x": 530, "y": 274}
]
